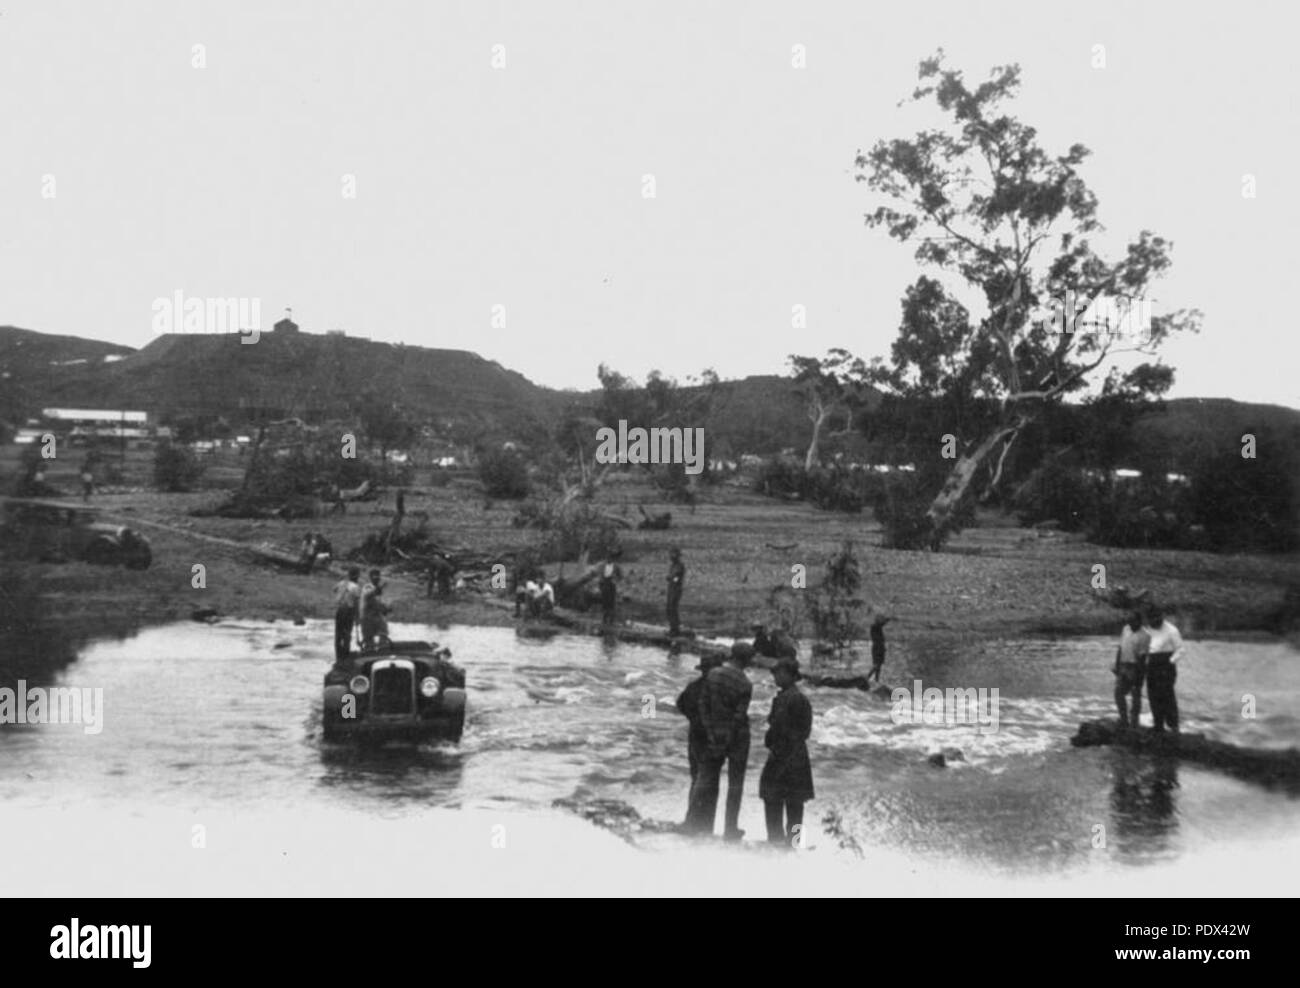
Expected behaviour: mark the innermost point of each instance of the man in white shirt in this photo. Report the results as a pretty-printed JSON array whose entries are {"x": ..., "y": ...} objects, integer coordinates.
[
  {"x": 1164, "y": 650},
  {"x": 347, "y": 600},
  {"x": 1130, "y": 670},
  {"x": 541, "y": 597}
]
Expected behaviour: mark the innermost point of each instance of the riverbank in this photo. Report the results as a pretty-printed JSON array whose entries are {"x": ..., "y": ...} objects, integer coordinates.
[{"x": 997, "y": 580}]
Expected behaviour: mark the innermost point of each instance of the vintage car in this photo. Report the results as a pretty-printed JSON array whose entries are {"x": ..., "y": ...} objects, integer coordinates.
[
  {"x": 49, "y": 531},
  {"x": 400, "y": 691}
]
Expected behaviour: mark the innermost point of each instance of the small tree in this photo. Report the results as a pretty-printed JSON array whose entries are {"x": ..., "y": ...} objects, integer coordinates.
[
  {"x": 504, "y": 474},
  {"x": 385, "y": 424},
  {"x": 833, "y": 606},
  {"x": 175, "y": 468},
  {"x": 830, "y": 386}
]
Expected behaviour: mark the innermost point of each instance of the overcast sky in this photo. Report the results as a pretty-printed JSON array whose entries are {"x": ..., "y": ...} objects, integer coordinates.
[{"x": 522, "y": 186}]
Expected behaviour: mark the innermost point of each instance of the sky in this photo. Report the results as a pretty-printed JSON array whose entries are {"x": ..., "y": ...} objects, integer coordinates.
[{"x": 497, "y": 157}]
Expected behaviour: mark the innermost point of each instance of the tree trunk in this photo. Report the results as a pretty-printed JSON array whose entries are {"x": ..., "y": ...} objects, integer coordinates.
[
  {"x": 958, "y": 483},
  {"x": 394, "y": 530},
  {"x": 252, "y": 459},
  {"x": 810, "y": 460}
]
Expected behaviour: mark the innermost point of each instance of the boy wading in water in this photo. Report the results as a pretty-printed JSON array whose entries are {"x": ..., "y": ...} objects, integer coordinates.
[
  {"x": 786, "y": 783},
  {"x": 1130, "y": 669}
]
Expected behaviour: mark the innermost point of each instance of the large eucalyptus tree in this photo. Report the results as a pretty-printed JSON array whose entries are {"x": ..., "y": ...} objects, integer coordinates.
[{"x": 984, "y": 202}]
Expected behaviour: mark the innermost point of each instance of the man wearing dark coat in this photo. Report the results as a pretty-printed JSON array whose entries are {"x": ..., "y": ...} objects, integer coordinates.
[
  {"x": 786, "y": 783},
  {"x": 697, "y": 738},
  {"x": 724, "y": 711}
]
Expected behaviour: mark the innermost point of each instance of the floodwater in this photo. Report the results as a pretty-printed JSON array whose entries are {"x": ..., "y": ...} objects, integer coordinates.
[{"x": 227, "y": 715}]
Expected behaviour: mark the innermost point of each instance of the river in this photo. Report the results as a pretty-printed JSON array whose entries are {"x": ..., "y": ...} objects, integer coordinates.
[{"x": 213, "y": 721}]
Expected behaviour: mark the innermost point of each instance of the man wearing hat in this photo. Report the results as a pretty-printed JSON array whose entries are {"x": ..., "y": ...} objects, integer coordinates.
[
  {"x": 724, "y": 712},
  {"x": 786, "y": 783},
  {"x": 774, "y": 644},
  {"x": 697, "y": 738},
  {"x": 676, "y": 574}
]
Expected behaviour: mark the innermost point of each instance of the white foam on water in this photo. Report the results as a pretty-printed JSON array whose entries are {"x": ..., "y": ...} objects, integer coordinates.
[{"x": 275, "y": 851}]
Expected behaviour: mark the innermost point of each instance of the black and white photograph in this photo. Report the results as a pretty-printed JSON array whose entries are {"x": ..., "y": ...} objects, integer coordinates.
[{"x": 677, "y": 450}]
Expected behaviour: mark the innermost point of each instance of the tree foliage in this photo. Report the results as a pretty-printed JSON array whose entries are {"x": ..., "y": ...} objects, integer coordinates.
[
  {"x": 176, "y": 468},
  {"x": 834, "y": 385},
  {"x": 984, "y": 202}
]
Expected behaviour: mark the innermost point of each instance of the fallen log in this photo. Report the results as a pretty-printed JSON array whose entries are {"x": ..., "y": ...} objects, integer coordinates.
[
  {"x": 632, "y": 632},
  {"x": 269, "y": 554},
  {"x": 1271, "y": 767}
]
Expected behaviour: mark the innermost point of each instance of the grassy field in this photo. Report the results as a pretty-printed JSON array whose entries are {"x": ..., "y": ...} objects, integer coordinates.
[{"x": 996, "y": 579}]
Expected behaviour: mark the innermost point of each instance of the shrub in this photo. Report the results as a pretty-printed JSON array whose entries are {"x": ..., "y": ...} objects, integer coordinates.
[
  {"x": 571, "y": 529},
  {"x": 779, "y": 477},
  {"x": 1058, "y": 492},
  {"x": 1250, "y": 504},
  {"x": 836, "y": 489},
  {"x": 832, "y": 607},
  {"x": 504, "y": 474},
  {"x": 579, "y": 529},
  {"x": 176, "y": 468},
  {"x": 833, "y": 488}
]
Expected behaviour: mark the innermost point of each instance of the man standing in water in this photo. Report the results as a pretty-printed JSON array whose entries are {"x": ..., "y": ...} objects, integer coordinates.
[
  {"x": 724, "y": 710},
  {"x": 697, "y": 738},
  {"x": 347, "y": 598},
  {"x": 676, "y": 574},
  {"x": 786, "y": 783},
  {"x": 610, "y": 574},
  {"x": 1130, "y": 669},
  {"x": 1164, "y": 650},
  {"x": 877, "y": 647}
]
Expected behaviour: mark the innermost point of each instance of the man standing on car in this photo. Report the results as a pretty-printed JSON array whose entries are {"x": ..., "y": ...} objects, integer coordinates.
[
  {"x": 374, "y": 625},
  {"x": 347, "y": 598}
]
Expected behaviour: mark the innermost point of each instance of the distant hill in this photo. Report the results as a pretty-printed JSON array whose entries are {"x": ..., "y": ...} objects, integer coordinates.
[
  {"x": 33, "y": 364},
  {"x": 306, "y": 375},
  {"x": 1189, "y": 428},
  {"x": 318, "y": 377}
]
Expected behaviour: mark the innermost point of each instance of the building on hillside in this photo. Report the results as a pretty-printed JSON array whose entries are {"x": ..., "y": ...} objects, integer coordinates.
[
  {"x": 85, "y": 423},
  {"x": 286, "y": 325}
]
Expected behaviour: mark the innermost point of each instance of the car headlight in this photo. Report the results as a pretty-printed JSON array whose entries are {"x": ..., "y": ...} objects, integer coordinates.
[
  {"x": 429, "y": 686},
  {"x": 359, "y": 684}
]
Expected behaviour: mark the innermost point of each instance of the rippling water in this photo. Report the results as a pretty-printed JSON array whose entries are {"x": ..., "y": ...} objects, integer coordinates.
[{"x": 199, "y": 716}]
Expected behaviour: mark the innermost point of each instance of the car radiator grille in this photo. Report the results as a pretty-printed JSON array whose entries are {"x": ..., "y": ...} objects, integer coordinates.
[{"x": 393, "y": 692}]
